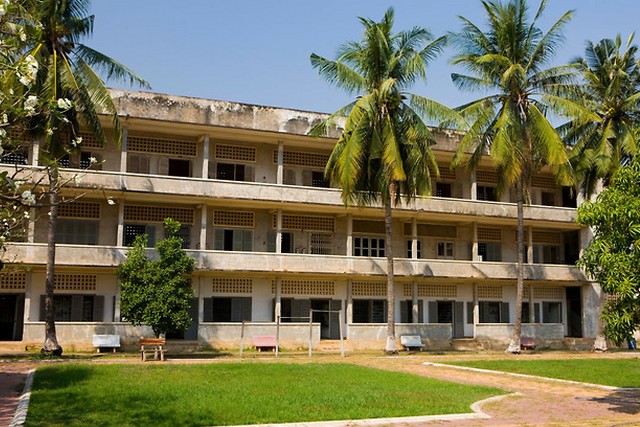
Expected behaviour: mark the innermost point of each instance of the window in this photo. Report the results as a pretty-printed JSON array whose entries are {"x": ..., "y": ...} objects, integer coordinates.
[
  {"x": 486, "y": 193},
  {"x": 406, "y": 312},
  {"x": 185, "y": 234},
  {"x": 368, "y": 246},
  {"x": 179, "y": 167},
  {"x": 227, "y": 309},
  {"x": 234, "y": 172},
  {"x": 15, "y": 156},
  {"x": 445, "y": 250},
  {"x": 321, "y": 243},
  {"x": 443, "y": 189},
  {"x": 131, "y": 231},
  {"x": 525, "y": 312},
  {"x": 77, "y": 232},
  {"x": 410, "y": 253},
  {"x": 494, "y": 312},
  {"x": 369, "y": 311},
  {"x": 75, "y": 308},
  {"x": 137, "y": 163},
  {"x": 86, "y": 163},
  {"x": 233, "y": 239},
  {"x": 490, "y": 251},
  {"x": 548, "y": 199},
  {"x": 317, "y": 179},
  {"x": 286, "y": 242},
  {"x": 551, "y": 312},
  {"x": 551, "y": 254},
  {"x": 445, "y": 311}
]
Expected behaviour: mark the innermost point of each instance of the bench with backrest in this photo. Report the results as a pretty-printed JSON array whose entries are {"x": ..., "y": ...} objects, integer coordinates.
[
  {"x": 106, "y": 341},
  {"x": 155, "y": 345},
  {"x": 527, "y": 343},
  {"x": 411, "y": 342},
  {"x": 264, "y": 342}
]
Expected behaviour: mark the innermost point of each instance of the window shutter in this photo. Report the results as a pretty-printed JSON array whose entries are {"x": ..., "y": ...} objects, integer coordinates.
[
  {"x": 469, "y": 312},
  {"x": 271, "y": 241},
  {"x": 420, "y": 311},
  {"x": 150, "y": 230},
  {"x": 405, "y": 307},
  {"x": 163, "y": 166},
  {"x": 536, "y": 312},
  {"x": 208, "y": 310},
  {"x": 247, "y": 240},
  {"x": 307, "y": 178},
  {"x": 42, "y": 307},
  {"x": 246, "y": 308},
  {"x": 289, "y": 177},
  {"x": 504, "y": 312},
  {"x": 76, "y": 308},
  {"x": 236, "y": 309},
  {"x": 249, "y": 174},
  {"x": 433, "y": 312},
  {"x": 300, "y": 310},
  {"x": 98, "y": 308},
  {"x": 218, "y": 239}
]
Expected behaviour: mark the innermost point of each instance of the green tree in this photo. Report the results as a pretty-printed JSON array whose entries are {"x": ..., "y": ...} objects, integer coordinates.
[
  {"x": 613, "y": 255},
  {"x": 383, "y": 154},
  {"x": 609, "y": 88},
  {"x": 157, "y": 292},
  {"x": 67, "y": 93},
  {"x": 507, "y": 61}
]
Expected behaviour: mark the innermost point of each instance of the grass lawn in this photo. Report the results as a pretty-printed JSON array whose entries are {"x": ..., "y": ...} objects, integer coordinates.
[
  {"x": 235, "y": 393},
  {"x": 612, "y": 372}
]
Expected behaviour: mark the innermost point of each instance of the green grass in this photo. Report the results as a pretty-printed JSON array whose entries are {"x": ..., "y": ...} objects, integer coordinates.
[
  {"x": 235, "y": 393},
  {"x": 612, "y": 372}
]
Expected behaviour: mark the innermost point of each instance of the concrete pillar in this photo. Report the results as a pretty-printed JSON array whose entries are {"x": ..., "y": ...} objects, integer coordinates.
[
  {"x": 349, "y": 235},
  {"x": 530, "y": 245},
  {"x": 117, "y": 317},
  {"x": 474, "y": 186},
  {"x": 123, "y": 150},
  {"x": 532, "y": 317},
  {"x": 205, "y": 157},
  {"x": 201, "y": 284},
  {"x": 35, "y": 152},
  {"x": 349, "y": 309},
  {"x": 278, "y": 305},
  {"x": 476, "y": 309},
  {"x": 414, "y": 238},
  {"x": 586, "y": 235},
  {"x": 279, "y": 231},
  {"x": 203, "y": 227},
  {"x": 27, "y": 298},
  {"x": 414, "y": 304},
  {"x": 31, "y": 227},
  {"x": 280, "y": 170},
  {"x": 120, "y": 235},
  {"x": 474, "y": 244}
]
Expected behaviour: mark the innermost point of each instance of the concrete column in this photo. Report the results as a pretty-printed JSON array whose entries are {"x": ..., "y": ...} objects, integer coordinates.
[
  {"x": 278, "y": 304},
  {"x": 415, "y": 309},
  {"x": 31, "y": 225},
  {"x": 27, "y": 298},
  {"x": 205, "y": 157},
  {"x": 474, "y": 186},
  {"x": 120, "y": 236},
  {"x": 203, "y": 227},
  {"x": 476, "y": 309},
  {"x": 530, "y": 245},
  {"x": 532, "y": 317},
  {"x": 280, "y": 170},
  {"x": 123, "y": 150},
  {"x": 117, "y": 317},
  {"x": 349, "y": 309},
  {"x": 35, "y": 152},
  {"x": 414, "y": 238},
  {"x": 586, "y": 235},
  {"x": 474, "y": 244},
  {"x": 201, "y": 285},
  {"x": 349, "y": 235},
  {"x": 279, "y": 231}
]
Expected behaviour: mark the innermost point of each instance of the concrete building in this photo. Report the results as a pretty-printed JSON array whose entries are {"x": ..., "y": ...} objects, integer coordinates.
[{"x": 269, "y": 237}]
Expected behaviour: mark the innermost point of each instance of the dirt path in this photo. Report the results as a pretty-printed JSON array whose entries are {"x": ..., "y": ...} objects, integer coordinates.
[{"x": 12, "y": 378}]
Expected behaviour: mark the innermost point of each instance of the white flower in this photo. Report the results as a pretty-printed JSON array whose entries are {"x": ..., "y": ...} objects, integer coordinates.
[
  {"x": 76, "y": 141},
  {"x": 3, "y": 133},
  {"x": 111, "y": 202},
  {"x": 27, "y": 215},
  {"x": 23, "y": 36},
  {"x": 93, "y": 160},
  {"x": 49, "y": 131},
  {"x": 28, "y": 197},
  {"x": 2, "y": 10},
  {"x": 5, "y": 119},
  {"x": 64, "y": 103},
  {"x": 30, "y": 104},
  {"x": 24, "y": 80},
  {"x": 77, "y": 179}
]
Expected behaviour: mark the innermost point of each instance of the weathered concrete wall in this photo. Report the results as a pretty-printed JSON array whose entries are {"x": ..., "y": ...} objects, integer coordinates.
[
  {"x": 374, "y": 335},
  {"x": 227, "y": 335}
]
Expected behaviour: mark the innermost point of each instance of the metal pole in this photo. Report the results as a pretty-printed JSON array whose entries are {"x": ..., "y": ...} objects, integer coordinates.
[
  {"x": 277, "y": 335},
  {"x": 341, "y": 337},
  {"x": 241, "y": 338},
  {"x": 310, "y": 330}
]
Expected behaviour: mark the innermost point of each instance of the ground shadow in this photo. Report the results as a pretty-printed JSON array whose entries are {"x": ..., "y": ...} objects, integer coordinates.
[{"x": 626, "y": 401}]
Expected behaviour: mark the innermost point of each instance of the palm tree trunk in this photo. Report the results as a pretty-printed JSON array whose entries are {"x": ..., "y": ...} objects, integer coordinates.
[
  {"x": 514, "y": 344},
  {"x": 391, "y": 347},
  {"x": 51, "y": 345}
]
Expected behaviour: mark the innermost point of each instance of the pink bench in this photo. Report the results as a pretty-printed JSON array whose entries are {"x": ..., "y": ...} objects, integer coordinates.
[
  {"x": 527, "y": 343},
  {"x": 264, "y": 342}
]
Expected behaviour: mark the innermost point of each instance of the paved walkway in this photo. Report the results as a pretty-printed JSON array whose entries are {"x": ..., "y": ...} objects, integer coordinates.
[{"x": 540, "y": 402}]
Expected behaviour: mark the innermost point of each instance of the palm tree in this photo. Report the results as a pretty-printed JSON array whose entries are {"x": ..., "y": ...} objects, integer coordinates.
[
  {"x": 610, "y": 89},
  {"x": 383, "y": 153},
  {"x": 508, "y": 63},
  {"x": 67, "y": 93}
]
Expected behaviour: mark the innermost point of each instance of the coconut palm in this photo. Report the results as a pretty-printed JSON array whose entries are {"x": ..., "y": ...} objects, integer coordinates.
[
  {"x": 610, "y": 89},
  {"x": 68, "y": 92},
  {"x": 383, "y": 154},
  {"x": 507, "y": 62}
]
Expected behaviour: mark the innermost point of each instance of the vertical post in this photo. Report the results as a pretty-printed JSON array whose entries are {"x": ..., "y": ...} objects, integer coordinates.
[
  {"x": 349, "y": 314},
  {"x": 476, "y": 309},
  {"x": 27, "y": 301},
  {"x": 280, "y": 169},
  {"x": 340, "y": 318},
  {"x": 35, "y": 152},
  {"x": 123, "y": 150},
  {"x": 120, "y": 236},
  {"x": 310, "y": 330},
  {"x": 117, "y": 317},
  {"x": 530, "y": 245},
  {"x": 474, "y": 185},
  {"x": 200, "y": 300},
  {"x": 31, "y": 230},
  {"x": 349, "y": 235},
  {"x": 414, "y": 238},
  {"x": 277, "y": 335},
  {"x": 279, "y": 231},
  {"x": 203, "y": 227},
  {"x": 532, "y": 313},
  {"x": 474, "y": 245},
  {"x": 278, "y": 305},
  {"x": 205, "y": 157},
  {"x": 241, "y": 337},
  {"x": 415, "y": 310}
]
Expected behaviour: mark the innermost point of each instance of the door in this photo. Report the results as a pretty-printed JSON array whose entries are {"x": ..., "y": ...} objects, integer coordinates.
[
  {"x": 574, "y": 312},
  {"x": 334, "y": 319},
  {"x": 11, "y": 317},
  {"x": 322, "y": 316},
  {"x": 458, "y": 319}
]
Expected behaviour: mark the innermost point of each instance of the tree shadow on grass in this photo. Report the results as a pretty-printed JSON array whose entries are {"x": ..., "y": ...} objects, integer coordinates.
[{"x": 624, "y": 400}]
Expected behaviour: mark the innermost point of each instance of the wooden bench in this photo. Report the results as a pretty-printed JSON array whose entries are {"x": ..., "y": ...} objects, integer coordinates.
[
  {"x": 411, "y": 341},
  {"x": 152, "y": 344},
  {"x": 527, "y": 343},
  {"x": 264, "y": 342},
  {"x": 106, "y": 341}
]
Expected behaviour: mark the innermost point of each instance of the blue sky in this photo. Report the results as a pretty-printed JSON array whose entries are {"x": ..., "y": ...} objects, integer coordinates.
[{"x": 257, "y": 51}]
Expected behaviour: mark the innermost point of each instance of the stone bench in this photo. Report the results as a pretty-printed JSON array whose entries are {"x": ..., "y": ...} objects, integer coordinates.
[
  {"x": 411, "y": 341},
  {"x": 106, "y": 341},
  {"x": 264, "y": 342}
]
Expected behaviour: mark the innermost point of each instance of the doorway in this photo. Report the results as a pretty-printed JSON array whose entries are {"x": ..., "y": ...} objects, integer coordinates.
[
  {"x": 574, "y": 311},
  {"x": 329, "y": 321},
  {"x": 11, "y": 317},
  {"x": 448, "y": 312}
]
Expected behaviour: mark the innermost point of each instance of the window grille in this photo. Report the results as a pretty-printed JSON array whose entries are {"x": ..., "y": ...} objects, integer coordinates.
[
  {"x": 236, "y": 152},
  {"x": 543, "y": 181},
  {"x": 485, "y": 176},
  {"x": 89, "y": 141},
  {"x": 157, "y": 214},
  {"x": 489, "y": 234},
  {"x": 234, "y": 219},
  {"x": 490, "y": 292},
  {"x": 548, "y": 293},
  {"x": 228, "y": 285},
  {"x": 300, "y": 158},
  {"x": 434, "y": 290},
  {"x": 321, "y": 244},
  {"x": 305, "y": 223},
  {"x": 13, "y": 280},
  {"x": 75, "y": 282},
  {"x": 87, "y": 210},
  {"x": 446, "y": 174},
  {"x": 551, "y": 237},
  {"x": 368, "y": 289},
  {"x": 305, "y": 287},
  {"x": 175, "y": 147}
]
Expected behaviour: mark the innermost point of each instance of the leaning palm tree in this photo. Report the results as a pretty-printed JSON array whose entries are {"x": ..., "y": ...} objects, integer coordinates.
[
  {"x": 67, "y": 93},
  {"x": 383, "y": 153},
  {"x": 507, "y": 61},
  {"x": 610, "y": 89}
]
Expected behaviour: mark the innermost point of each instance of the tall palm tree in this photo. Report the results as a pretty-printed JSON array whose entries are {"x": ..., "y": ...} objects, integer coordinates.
[
  {"x": 68, "y": 92},
  {"x": 610, "y": 89},
  {"x": 383, "y": 153},
  {"x": 507, "y": 61}
]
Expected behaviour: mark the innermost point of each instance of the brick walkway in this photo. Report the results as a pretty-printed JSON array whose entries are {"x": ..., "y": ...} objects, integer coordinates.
[{"x": 540, "y": 403}]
